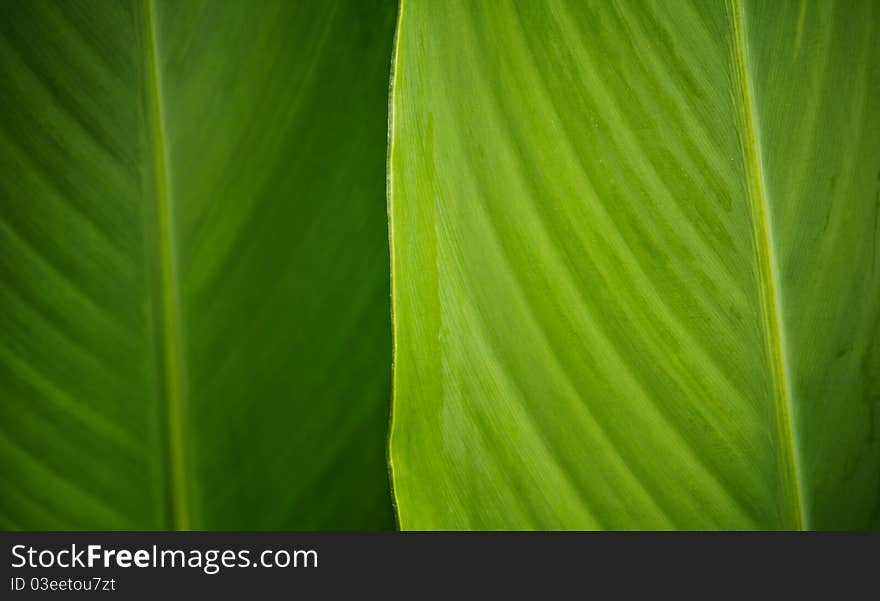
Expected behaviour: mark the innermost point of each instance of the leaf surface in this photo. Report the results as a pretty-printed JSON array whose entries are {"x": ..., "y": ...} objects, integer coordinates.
[
  {"x": 635, "y": 271},
  {"x": 193, "y": 265}
]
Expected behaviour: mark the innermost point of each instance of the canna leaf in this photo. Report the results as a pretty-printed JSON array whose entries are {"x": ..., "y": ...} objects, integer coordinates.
[
  {"x": 636, "y": 278},
  {"x": 193, "y": 273}
]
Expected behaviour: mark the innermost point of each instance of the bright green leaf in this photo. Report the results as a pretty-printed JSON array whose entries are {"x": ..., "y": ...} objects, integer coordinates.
[
  {"x": 636, "y": 278},
  {"x": 194, "y": 326}
]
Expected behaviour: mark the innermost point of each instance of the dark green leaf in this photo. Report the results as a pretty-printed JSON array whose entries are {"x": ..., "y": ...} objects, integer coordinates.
[{"x": 194, "y": 324}]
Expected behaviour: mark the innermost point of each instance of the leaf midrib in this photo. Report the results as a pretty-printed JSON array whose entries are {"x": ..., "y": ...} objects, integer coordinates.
[
  {"x": 172, "y": 399},
  {"x": 773, "y": 324}
]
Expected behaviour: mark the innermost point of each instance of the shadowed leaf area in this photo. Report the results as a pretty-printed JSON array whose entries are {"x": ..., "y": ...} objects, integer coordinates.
[{"x": 194, "y": 319}]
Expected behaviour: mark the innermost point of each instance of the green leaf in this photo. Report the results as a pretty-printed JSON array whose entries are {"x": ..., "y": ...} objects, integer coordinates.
[
  {"x": 636, "y": 278},
  {"x": 193, "y": 265}
]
